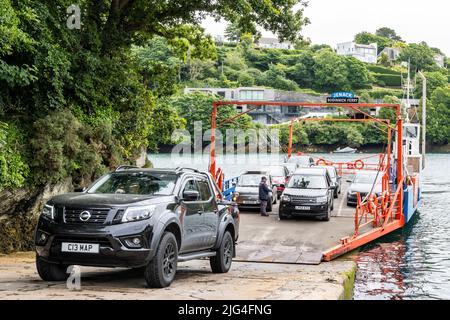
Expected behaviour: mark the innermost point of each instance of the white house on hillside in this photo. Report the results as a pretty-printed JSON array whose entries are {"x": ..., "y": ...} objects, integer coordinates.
[
  {"x": 362, "y": 52},
  {"x": 273, "y": 43}
]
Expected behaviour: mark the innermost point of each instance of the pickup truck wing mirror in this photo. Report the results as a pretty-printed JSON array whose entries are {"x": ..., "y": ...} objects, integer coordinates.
[
  {"x": 191, "y": 195},
  {"x": 80, "y": 190}
]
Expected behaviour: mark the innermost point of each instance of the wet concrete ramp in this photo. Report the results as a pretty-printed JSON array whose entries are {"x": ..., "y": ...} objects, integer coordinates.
[
  {"x": 293, "y": 241},
  {"x": 254, "y": 252}
]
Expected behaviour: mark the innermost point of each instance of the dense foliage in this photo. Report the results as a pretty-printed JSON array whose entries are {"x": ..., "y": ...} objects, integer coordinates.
[{"x": 75, "y": 102}]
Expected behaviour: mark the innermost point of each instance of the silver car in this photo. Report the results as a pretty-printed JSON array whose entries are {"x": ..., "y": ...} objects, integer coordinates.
[{"x": 247, "y": 190}]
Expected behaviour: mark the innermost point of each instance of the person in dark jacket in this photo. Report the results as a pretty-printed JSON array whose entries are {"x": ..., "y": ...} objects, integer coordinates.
[{"x": 264, "y": 196}]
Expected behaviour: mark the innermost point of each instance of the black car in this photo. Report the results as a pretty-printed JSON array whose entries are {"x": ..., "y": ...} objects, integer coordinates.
[
  {"x": 309, "y": 193},
  {"x": 151, "y": 218}
]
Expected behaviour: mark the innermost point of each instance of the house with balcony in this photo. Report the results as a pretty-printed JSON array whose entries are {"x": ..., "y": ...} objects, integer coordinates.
[
  {"x": 362, "y": 52},
  {"x": 264, "y": 114}
]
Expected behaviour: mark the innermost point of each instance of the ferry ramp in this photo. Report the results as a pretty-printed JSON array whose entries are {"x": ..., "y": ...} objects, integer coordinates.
[{"x": 293, "y": 241}]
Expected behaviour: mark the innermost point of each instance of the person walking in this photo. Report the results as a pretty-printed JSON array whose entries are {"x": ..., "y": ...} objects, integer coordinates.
[{"x": 264, "y": 196}]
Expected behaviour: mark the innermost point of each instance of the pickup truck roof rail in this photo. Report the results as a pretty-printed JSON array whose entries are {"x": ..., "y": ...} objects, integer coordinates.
[
  {"x": 180, "y": 169},
  {"x": 125, "y": 167}
]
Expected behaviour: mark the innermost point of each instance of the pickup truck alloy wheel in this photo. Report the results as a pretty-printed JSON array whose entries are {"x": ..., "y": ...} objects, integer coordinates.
[
  {"x": 161, "y": 271},
  {"x": 169, "y": 260},
  {"x": 221, "y": 262}
]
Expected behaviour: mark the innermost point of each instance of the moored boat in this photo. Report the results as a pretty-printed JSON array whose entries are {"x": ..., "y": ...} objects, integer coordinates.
[{"x": 347, "y": 150}]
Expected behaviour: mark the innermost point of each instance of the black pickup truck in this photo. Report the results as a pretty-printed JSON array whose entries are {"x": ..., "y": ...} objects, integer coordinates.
[{"x": 134, "y": 218}]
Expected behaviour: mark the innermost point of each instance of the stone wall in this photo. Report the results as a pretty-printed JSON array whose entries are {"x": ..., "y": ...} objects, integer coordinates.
[{"x": 19, "y": 211}]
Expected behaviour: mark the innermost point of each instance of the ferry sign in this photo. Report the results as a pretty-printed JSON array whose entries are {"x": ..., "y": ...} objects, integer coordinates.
[{"x": 343, "y": 97}]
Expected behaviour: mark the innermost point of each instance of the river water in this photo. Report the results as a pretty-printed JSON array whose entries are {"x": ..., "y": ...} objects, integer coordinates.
[{"x": 410, "y": 264}]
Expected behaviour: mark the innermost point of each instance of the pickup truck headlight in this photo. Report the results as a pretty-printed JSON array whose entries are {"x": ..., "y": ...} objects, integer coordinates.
[
  {"x": 49, "y": 212},
  {"x": 322, "y": 199},
  {"x": 138, "y": 213},
  {"x": 286, "y": 198}
]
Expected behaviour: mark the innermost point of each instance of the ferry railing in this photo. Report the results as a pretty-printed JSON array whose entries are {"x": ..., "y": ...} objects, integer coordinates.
[
  {"x": 229, "y": 188},
  {"x": 352, "y": 167},
  {"x": 377, "y": 211}
]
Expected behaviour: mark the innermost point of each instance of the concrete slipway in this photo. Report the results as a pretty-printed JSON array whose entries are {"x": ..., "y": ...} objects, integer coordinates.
[{"x": 289, "y": 243}]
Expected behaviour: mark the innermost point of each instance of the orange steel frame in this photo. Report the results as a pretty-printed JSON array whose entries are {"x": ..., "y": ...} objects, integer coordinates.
[
  {"x": 357, "y": 240},
  {"x": 340, "y": 166}
]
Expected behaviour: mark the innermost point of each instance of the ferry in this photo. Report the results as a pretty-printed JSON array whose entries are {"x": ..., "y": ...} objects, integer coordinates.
[{"x": 308, "y": 242}]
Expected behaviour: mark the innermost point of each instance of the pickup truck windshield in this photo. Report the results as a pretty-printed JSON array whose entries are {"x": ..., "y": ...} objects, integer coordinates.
[
  {"x": 307, "y": 182},
  {"x": 141, "y": 183}
]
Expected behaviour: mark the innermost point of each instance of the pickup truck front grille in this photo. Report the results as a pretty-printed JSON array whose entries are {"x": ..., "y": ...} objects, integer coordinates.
[{"x": 97, "y": 216}]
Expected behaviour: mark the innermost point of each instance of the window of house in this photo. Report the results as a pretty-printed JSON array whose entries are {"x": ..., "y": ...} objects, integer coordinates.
[{"x": 252, "y": 95}]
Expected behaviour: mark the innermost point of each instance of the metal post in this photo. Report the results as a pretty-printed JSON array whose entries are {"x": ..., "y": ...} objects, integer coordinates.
[
  {"x": 424, "y": 117},
  {"x": 291, "y": 135},
  {"x": 212, "y": 157},
  {"x": 399, "y": 161}
]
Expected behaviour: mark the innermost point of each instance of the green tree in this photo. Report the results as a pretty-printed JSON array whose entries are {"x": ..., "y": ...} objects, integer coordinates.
[
  {"x": 275, "y": 78},
  {"x": 246, "y": 80},
  {"x": 439, "y": 117},
  {"x": 303, "y": 71},
  {"x": 388, "y": 33},
  {"x": 358, "y": 75},
  {"x": 435, "y": 80},
  {"x": 198, "y": 107},
  {"x": 389, "y": 113},
  {"x": 383, "y": 59},
  {"x": 330, "y": 71},
  {"x": 158, "y": 64},
  {"x": 420, "y": 55},
  {"x": 14, "y": 169},
  {"x": 354, "y": 138}
]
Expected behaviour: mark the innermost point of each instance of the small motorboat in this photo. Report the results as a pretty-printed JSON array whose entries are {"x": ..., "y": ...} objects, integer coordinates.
[{"x": 345, "y": 150}]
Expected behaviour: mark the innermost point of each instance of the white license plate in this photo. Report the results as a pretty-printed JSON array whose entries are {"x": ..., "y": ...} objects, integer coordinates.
[
  {"x": 80, "y": 247},
  {"x": 303, "y": 208}
]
